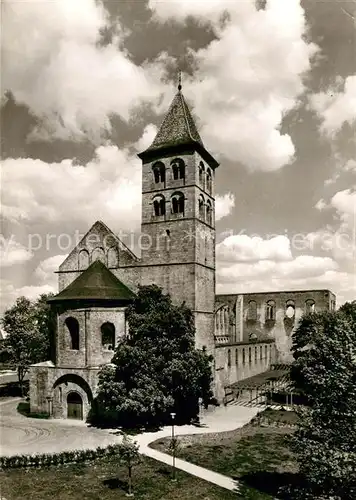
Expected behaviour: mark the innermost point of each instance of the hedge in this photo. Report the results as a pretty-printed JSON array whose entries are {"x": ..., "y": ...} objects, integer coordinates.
[
  {"x": 64, "y": 457},
  {"x": 263, "y": 419}
]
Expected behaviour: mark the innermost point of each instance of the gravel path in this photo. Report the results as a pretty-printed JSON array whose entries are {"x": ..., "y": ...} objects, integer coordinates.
[{"x": 25, "y": 435}]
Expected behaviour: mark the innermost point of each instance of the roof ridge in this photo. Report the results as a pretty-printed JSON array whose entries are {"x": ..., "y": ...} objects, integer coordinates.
[{"x": 184, "y": 105}]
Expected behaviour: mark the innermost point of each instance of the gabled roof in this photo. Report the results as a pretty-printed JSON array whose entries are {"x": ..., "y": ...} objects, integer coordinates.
[
  {"x": 95, "y": 283},
  {"x": 178, "y": 129},
  {"x": 100, "y": 227}
]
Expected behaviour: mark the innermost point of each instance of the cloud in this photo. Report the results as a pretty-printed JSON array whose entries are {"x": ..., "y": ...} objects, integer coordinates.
[
  {"x": 244, "y": 248},
  {"x": 345, "y": 204},
  {"x": 224, "y": 205},
  {"x": 248, "y": 78},
  {"x": 45, "y": 271},
  {"x": 336, "y": 106},
  {"x": 53, "y": 62},
  {"x": 147, "y": 137},
  {"x": 343, "y": 284},
  {"x": 108, "y": 187},
  {"x": 9, "y": 293},
  {"x": 321, "y": 205},
  {"x": 251, "y": 263},
  {"x": 301, "y": 267},
  {"x": 12, "y": 252},
  {"x": 44, "y": 280},
  {"x": 338, "y": 238}
]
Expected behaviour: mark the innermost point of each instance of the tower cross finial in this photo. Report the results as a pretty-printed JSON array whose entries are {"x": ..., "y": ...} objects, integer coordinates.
[{"x": 179, "y": 80}]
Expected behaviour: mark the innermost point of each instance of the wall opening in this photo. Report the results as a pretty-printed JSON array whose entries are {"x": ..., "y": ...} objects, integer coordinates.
[
  {"x": 74, "y": 406},
  {"x": 108, "y": 336},
  {"x": 73, "y": 328},
  {"x": 271, "y": 310}
]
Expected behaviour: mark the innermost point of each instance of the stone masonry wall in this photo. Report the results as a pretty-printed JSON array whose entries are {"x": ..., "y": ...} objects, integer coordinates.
[
  {"x": 98, "y": 244},
  {"x": 57, "y": 383},
  {"x": 91, "y": 352},
  {"x": 282, "y": 327},
  {"x": 242, "y": 364}
]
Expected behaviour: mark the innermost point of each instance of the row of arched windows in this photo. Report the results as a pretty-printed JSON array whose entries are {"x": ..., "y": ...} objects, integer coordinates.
[
  {"x": 107, "y": 334},
  {"x": 205, "y": 210},
  {"x": 109, "y": 258},
  {"x": 177, "y": 169},
  {"x": 254, "y": 353},
  {"x": 270, "y": 309},
  {"x": 176, "y": 203},
  {"x": 205, "y": 178}
]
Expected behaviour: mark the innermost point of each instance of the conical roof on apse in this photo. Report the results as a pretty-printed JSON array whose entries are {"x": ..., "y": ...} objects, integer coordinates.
[{"x": 97, "y": 282}]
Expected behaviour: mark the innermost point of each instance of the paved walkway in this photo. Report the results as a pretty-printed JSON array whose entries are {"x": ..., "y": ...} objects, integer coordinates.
[
  {"x": 24, "y": 435},
  {"x": 222, "y": 419}
]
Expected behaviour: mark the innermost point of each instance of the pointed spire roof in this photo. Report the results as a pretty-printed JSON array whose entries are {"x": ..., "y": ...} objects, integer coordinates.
[
  {"x": 95, "y": 283},
  {"x": 178, "y": 126},
  {"x": 177, "y": 130}
]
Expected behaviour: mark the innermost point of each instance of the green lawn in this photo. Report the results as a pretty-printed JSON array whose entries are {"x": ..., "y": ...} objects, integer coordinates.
[
  {"x": 258, "y": 457},
  {"x": 106, "y": 479}
]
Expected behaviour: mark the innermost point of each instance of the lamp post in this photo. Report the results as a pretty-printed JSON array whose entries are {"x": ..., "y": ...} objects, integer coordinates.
[
  {"x": 50, "y": 405},
  {"x": 173, "y": 449}
]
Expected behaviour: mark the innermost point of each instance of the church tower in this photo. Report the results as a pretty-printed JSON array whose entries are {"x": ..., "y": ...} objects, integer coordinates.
[{"x": 178, "y": 217}]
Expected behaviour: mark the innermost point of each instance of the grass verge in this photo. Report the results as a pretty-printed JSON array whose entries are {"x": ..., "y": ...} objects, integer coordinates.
[
  {"x": 258, "y": 457},
  {"x": 24, "y": 409},
  {"x": 107, "y": 479}
]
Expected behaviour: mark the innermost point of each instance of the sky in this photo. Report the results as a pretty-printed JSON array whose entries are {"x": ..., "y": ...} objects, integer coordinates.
[{"x": 272, "y": 87}]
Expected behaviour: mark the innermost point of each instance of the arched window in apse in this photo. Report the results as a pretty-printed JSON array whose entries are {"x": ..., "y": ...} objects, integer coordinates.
[{"x": 73, "y": 330}]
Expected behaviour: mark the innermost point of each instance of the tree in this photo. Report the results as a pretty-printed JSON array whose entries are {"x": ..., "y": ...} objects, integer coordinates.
[
  {"x": 324, "y": 348},
  {"x": 29, "y": 327},
  {"x": 129, "y": 456},
  {"x": 156, "y": 368}
]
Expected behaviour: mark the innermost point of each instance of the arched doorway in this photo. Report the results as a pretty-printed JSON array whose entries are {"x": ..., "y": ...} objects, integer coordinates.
[{"x": 74, "y": 406}]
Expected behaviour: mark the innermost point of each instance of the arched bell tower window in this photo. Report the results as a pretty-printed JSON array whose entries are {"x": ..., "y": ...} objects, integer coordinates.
[
  {"x": 201, "y": 175},
  {"x": 208, "y": 181},
  {"x": 159, "y": 172},
  {"x": 177, "y": 201},
  {"x": 178, "y": 168},
  {"x": 159, "y": 205},
  {"x": 108, "y": 336},
  {"x": 201, "y": 207},
  {"x": 209, "y": 213},
  {"x": 73, "y": 329}
]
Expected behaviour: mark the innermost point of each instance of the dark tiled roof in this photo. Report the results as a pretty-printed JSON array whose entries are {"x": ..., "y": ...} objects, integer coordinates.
[
  {"x": 262, "y": 379},
  {"x": 95, "y": 283},
  {"x": 178, "y": 126}
]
